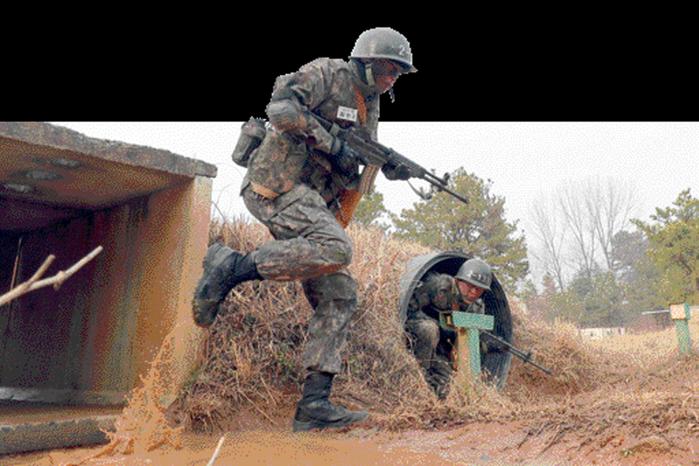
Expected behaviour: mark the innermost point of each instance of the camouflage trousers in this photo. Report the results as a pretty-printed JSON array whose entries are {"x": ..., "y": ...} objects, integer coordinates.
[
  {"x": 432, "y": 347},
  {"x": 310, "y": 246}
]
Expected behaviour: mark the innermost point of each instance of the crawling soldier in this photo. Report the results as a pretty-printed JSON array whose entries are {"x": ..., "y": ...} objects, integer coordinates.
[{"x": 432, "y": 344}]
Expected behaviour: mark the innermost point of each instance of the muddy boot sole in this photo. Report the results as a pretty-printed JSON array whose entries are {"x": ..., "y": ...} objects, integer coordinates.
[
  {"x": 204, "y": 310},
  {"x": 304, "y": 426}
]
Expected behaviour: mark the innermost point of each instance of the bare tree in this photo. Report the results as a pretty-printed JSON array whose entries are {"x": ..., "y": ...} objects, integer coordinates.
[
  {"x": 550, "y": 233},
  {"x": 576, "y": 224},
  {"x": 610, "y": 204},
  {"x": 573, "y": 205}
]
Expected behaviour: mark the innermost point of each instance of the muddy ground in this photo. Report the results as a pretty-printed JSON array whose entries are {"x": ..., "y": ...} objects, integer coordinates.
[
  {"x": 630, "y": 400},
  {"x": 578, "y": 436},
  {"x": 478, "y": 443}
]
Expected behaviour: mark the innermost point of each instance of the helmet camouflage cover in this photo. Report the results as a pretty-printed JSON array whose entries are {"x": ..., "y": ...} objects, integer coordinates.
[
  {"x": 476, "y": 272},
  {"x": 386, "y": 43}
]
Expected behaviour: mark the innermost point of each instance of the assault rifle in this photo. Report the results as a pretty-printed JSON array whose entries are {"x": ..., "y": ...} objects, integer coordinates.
[
  {"x": 374, "y": 153},
  {"x": 526, "y": 357}
]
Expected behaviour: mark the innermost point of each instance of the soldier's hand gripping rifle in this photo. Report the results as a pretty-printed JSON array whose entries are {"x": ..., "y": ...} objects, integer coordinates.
[
  {"x": 372, "y": 153},
  {"x": 526, "y": 357}
]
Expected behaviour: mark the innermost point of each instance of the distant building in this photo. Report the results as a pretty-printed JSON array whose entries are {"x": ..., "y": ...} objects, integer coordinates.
[
  {"x": 596, "y": 333},
  {"x": 651, "y": 321}
]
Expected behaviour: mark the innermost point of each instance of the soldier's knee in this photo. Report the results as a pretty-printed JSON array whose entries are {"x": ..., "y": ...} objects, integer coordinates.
[
  {"x": 426, "y": 332},
  {"x": 331, "y": 287},
  {"x": 339, "y": 251},
  {"x": 345, "y": 252}
]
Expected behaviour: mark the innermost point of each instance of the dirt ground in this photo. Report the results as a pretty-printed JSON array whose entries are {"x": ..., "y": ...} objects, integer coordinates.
[
  {"x": 644, "y": 412},
  {"x": 472, "y": 444},
  {"x": 252, "y": 440}
]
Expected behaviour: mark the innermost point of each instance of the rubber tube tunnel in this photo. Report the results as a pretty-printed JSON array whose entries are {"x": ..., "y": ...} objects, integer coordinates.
[
  {"x": 495, "y": 365},
  {"x": 88, "y": 343}
]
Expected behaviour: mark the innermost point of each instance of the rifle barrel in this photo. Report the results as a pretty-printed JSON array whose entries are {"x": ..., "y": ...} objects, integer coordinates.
[
  {"x": 517, "y": 352},
  {"x": 455, "y": 194}
]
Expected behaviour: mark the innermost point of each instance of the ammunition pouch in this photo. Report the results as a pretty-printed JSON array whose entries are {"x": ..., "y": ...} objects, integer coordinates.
[{"x": 251, "y": 135}]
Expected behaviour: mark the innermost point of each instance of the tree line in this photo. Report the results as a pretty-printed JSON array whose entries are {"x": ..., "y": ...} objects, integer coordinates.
[{"x": 598, "y": 264}]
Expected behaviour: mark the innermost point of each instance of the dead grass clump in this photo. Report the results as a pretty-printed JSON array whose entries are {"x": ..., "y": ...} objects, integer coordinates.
[
  {"x": 577, "y": 367},
  {"x": 647, "y": 350},
  {"x": 634, "y": 384}
]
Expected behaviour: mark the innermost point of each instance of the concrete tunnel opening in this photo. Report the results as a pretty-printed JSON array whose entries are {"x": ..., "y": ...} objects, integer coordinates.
[{"x": 69, "y": 357}]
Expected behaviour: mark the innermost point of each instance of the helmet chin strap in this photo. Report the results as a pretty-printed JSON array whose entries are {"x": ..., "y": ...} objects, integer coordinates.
[{"x": 369, "y": 73}]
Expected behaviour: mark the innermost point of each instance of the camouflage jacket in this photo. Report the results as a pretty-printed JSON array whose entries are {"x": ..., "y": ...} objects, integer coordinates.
[
  {"x": 439, "y": 292},
  {"x": 295, "y": 149}
]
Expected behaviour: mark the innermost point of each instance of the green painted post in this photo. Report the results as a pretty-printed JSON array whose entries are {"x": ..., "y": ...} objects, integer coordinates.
[
  {"x": 469, "y": 348},
  {"x": 681, "y": 314},
  {"x": 474, "y": 351}
]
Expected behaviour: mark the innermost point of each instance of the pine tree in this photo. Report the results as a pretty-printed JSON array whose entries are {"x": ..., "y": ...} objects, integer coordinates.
[{"x": 478, "y": 228}]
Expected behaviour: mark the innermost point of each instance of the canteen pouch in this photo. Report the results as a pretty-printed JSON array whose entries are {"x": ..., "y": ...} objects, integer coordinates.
[{"x": 251, "y": 135}]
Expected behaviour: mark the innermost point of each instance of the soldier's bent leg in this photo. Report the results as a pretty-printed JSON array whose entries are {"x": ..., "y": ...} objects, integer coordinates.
[
  {"x": 309, "y": 242},
  {"x": 424, "y": 334},
  {"x": 333, "y": 298},
  {"x": 334, "y": 301},
  {"x": 440, "y": 376}
]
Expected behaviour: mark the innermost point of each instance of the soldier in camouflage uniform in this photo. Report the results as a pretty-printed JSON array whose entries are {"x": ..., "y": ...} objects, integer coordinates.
[
  {"x": 295, "y": 185},
  {"x": 431, "y": 343}
]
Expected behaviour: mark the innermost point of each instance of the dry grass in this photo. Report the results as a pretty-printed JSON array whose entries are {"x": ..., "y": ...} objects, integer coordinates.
[
  {"x": 251, "y": 361},
  {"x": 252, "y": 354},
  {"x": 635, "y": 383},
  {"x": 576, "y": 366}
]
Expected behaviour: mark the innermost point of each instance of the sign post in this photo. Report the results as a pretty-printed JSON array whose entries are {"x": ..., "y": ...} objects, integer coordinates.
[
  {"x": 468, "y": 348},
  {"x": 680, "y": 314}
]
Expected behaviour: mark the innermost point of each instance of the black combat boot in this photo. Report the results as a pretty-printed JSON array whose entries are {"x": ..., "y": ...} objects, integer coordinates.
[
  {"x": 315, "y": 411},
  {"x": 439, "y": 376},
  {"x": 224, "y": 268}
]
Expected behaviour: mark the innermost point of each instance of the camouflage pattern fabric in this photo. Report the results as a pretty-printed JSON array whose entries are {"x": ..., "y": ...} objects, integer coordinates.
[
  {"x": 295, "y": 151},
  {"x": 334, "y": 301},
  {"x": 309, "y": 240},
  {"x": 293, "y": 188},
  {"x": 432, "y": 344},
  {"x": 310, "y": 246}
]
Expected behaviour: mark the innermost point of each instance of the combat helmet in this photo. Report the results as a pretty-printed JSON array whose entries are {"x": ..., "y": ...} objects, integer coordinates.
[
  {"x": 387, "y": 43},
  {"x": 476, "y": 272}
]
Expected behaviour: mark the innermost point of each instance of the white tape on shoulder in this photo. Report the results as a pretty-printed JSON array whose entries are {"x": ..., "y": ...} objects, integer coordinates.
[{"x": 346, "y": 113}]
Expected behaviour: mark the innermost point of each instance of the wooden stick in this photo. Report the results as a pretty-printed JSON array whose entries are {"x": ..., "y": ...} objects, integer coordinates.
[
  {"x": 57, "y": 280},
  {"x": 25, "y": 287},
  {"x": 15, "y": 269},
  {"x": 258, "y": 409},
  {"x": 216, "y": 452}
]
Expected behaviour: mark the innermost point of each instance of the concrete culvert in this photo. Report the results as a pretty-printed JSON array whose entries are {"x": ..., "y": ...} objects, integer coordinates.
[{"x": 496, "y": 365}]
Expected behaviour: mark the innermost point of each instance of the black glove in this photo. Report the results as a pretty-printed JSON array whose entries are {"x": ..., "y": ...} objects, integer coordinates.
[
  {"x": 490, "y": 345},
  {"x": 392, "y": 172},
  {"x": 346, "y": 160}
]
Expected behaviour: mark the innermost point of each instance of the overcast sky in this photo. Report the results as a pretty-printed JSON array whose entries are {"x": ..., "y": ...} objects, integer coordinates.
[{"x": 525, "y": 160}]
